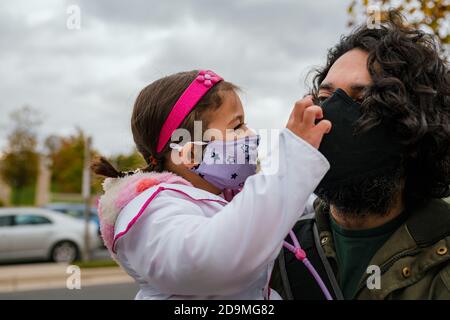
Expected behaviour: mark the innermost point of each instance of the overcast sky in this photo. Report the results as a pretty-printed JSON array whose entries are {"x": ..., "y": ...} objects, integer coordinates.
[{"x": 91, "y": 76}]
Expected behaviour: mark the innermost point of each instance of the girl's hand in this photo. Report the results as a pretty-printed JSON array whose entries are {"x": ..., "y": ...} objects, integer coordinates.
[{"x": 302, "y": 122}]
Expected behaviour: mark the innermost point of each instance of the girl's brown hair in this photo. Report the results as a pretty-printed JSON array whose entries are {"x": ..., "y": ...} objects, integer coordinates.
[{"x": 151, "y": 109}]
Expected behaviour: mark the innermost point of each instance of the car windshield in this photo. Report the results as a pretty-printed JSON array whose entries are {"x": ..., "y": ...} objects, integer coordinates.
[
  {"x": 73, "y": 210},
  {"x": 6, "y": 221},
  {"x": 30, "y": 219}
]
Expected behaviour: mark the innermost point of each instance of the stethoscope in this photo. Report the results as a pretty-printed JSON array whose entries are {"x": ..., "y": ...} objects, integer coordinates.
[
  {"x": 296, "y": 249},
  {"x": 300, "y": 254}
]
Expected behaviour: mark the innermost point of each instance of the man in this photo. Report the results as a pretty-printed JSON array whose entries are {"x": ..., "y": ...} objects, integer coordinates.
[{"x": 380, "y": 229}]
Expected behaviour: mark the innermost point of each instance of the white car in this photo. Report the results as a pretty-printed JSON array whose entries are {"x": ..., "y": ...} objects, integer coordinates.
[{"x": 34, "y": 233}]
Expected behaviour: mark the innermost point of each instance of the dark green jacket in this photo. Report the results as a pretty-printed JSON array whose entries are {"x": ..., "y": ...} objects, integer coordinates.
[{"x": 414, "y": 262}]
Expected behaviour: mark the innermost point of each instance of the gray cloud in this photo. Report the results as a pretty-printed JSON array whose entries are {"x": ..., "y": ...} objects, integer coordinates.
[{"x": 90, "y": 77}]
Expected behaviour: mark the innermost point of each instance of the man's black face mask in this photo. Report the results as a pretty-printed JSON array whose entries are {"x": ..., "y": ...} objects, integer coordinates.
[{"x": 355, "y": 156}]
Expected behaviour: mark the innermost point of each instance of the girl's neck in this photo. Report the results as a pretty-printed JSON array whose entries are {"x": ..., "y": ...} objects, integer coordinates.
[{"x": 192, "y": 177}]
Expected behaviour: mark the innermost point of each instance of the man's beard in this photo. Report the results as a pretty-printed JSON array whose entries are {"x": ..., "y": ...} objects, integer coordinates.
[{"x": 366, "y": 196}]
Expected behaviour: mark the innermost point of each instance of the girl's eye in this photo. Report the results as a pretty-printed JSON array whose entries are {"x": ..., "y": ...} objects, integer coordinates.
[{"x": 239, "y": 126}]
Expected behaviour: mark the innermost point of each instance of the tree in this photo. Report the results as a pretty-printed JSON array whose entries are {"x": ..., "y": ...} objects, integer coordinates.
[
  {"x": 430, "y": 15},
  {"x": 129, "y": 162},
  {"x": 66, "y": 155},
  {"x": 123, "y": 162},
  {"x": 19, "y": 168}
]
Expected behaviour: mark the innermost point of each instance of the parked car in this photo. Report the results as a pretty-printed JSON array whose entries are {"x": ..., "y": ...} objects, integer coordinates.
[
  {"x": 36, "y": 233},
  {"x": 74, "y": 210}
]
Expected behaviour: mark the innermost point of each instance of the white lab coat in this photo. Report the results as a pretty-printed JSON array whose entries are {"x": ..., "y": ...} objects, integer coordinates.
[{"x": 187, "y": 243}]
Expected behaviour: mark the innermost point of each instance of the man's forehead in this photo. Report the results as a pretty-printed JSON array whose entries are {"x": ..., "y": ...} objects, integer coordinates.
[{"x": 349, "y": 71}]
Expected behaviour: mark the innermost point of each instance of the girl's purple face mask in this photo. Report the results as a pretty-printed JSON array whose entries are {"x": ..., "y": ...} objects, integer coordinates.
[{"x": 227, "y": 164}]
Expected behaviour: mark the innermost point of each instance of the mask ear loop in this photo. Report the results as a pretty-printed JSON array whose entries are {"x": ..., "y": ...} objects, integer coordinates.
[
  {"x": 179, "y": 148},
  {"x": 176, "y": 146}
]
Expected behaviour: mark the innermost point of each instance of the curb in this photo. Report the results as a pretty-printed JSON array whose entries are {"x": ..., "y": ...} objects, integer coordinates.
[{"x": 52, "y": 276}]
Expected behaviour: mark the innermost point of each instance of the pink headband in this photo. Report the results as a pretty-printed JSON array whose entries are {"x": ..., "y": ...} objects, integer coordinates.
[{"x": 206, "y": 79}]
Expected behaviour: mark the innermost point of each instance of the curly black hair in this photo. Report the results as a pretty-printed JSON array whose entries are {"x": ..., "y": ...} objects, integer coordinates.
[{"x": 411, "y": 88}]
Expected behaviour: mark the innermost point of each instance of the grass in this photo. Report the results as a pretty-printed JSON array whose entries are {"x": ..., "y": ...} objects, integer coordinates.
[
  {"x": 66, "y": 197},
  {"x": 96, "y": 264},
  {"x": 23, "y": 197}
]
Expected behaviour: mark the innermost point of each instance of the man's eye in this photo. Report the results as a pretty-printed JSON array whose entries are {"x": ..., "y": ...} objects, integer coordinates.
[{"x": 322, "y": 98}]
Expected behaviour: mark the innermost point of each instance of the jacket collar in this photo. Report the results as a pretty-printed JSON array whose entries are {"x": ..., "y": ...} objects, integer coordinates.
[
  {"x": 118, "y": 192},
  {"x": 425, "y": 231},
  {"x": 426, "y": 224},
  {"x": 430, "y": 223}
]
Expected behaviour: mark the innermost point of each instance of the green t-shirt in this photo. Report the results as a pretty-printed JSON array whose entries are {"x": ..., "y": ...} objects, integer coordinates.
[{"x": 355, "y": 249}]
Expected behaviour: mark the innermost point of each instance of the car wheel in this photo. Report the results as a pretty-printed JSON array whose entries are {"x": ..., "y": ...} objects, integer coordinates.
[{"x": 64, "y": 251}]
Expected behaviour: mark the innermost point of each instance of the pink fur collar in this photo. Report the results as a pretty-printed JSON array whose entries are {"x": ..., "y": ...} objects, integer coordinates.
[{"x": 120, "y": 191}]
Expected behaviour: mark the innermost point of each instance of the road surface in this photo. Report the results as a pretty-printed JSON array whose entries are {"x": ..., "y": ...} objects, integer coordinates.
[{"x": 103, "y": 292}]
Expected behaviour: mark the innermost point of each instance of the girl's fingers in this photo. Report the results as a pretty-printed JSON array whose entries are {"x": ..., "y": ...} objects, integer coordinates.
[
  {"x": 318, "y": 131},
  {"x": 300, "y": 107},
  {"x": 311, "y": 114},
  {"x": 323, "y": 127},
  {"x": 302, "y": 122}
]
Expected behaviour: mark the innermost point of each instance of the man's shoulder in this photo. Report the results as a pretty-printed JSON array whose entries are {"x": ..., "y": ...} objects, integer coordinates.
[
  {"x": 430, "y": 222},
  {"x": 419, "y": 252}
]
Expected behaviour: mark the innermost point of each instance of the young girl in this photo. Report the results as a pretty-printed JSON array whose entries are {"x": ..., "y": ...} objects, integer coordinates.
[{"x": 170, "y": 225}]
